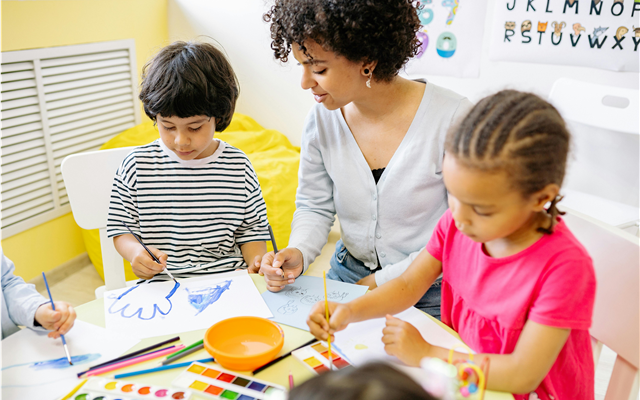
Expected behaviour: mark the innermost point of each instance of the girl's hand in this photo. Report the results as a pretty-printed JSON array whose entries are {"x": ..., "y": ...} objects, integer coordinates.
[
  {"x": 143, "y": 265},
  {"x": 59, "y": 321},
  {"x": 339, "y": 318},
  {"x": 401, "y": 339},
  {"x": 369, "y": 280},
  {"x": 281, "y": 269}
]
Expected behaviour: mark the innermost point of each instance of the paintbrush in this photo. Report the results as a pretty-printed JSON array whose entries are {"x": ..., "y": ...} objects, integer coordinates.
[
  {"x": 53, "y": 307},
  {"x": 149, "y": 251},
  {"x": 326, "y": 310}
]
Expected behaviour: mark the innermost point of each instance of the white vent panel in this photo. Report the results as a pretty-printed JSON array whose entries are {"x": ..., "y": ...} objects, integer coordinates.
[{"x": 56, "y": 102}]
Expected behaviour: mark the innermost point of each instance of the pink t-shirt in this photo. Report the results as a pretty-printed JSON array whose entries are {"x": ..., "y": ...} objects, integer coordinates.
[{"x": 488, "y": 300}]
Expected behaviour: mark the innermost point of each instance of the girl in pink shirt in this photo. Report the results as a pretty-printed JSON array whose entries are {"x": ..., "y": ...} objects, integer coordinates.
[{"x": 517, "y": 285}]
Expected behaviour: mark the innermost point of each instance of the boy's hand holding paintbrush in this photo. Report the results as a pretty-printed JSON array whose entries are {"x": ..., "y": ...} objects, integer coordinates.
[{"x": 146, "y": 261}]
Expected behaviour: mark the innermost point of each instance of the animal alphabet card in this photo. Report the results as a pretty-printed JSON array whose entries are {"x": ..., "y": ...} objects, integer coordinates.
[
  {"x": 292, "y": 305},
  {"x": 162, "y": 308},
  {"x": 589, "y": 33}
]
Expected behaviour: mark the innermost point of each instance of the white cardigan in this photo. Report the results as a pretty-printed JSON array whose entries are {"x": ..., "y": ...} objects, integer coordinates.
[{"x": 391, "y": 221}]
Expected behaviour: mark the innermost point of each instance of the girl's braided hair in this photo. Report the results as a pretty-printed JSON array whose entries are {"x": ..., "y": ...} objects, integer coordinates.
[{"x": 518, "y": 133}]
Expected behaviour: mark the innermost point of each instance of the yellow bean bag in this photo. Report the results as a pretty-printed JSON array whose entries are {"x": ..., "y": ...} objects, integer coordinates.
[{"x": 274, "y": 159}]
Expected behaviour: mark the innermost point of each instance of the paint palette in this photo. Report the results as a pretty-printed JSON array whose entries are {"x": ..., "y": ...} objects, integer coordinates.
[
  {"x": 216, "y": 383},
  {"x": 111, "y": 389},
  {"x": 316, "y": 358}
]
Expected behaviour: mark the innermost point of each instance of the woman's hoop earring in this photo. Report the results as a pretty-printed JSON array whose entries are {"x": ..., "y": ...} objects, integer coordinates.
[{"x": 369, "y": 80}]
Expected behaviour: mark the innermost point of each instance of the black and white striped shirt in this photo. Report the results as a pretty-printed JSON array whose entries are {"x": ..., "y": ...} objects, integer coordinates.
[{"x": 197, "y": 212}]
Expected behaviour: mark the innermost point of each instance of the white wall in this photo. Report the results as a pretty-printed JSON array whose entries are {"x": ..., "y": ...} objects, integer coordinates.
[{"x": 271, "y": 93}]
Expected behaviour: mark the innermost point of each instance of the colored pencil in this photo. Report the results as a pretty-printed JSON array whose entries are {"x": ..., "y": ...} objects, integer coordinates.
[
  {"x": 75, "y": 389},
  {"x": 149, "y": 251},
  {"x": 186, "y": 348},
  {"x": 184, "y": 354},
  {"x": 126, "y": 363},
  {"x": 163, "y": 368},
  {"x": 326, "y": 310},
  {"x": 130, "y": 358},
  {"x": 132, "y": 355},
  {"x": 290, "y": 380},
  {"x": 53, "y": 307},
  {"x": 275, "y": 360},
  {"x": 273, "y": 240}
]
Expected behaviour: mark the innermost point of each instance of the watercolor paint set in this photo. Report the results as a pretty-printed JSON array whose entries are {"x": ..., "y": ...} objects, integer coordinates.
[
  {"x": 316, "y": 358},
  {"x": 216, "y": 383},
  {"x": 111, "y": 389}
]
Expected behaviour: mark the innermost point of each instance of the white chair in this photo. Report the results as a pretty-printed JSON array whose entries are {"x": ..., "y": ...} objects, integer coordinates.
[
  {"x": 616, "y": 259},
  {"x": 88, "y": 178},
  {"x": 603, "y": 173}
]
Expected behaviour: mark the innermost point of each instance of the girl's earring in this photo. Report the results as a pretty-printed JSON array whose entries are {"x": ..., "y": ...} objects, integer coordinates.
[{"x": 369, "y": 80}]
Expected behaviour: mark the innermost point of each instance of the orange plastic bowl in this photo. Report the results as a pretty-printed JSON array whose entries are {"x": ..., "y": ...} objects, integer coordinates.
[{"x": 244, "y": 343}]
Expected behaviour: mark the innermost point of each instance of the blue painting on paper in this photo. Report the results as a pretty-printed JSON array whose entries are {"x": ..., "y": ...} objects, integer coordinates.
[
  {"x": 200, "y": 299},
  {"x": 126, "y": 309}
]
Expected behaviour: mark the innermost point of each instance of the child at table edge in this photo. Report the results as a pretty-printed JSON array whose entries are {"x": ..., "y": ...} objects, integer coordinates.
[
  {"x": 517, "y": 285},
  {"x": 23, "y": 305},
  {"x": 194, "y": 200}
]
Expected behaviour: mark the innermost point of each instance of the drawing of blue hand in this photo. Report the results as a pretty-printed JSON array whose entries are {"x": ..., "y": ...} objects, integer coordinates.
[{"x": 144, "y": 308}]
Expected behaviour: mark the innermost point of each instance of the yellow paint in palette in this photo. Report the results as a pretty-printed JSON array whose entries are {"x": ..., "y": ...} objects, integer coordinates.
[
  {"x": 316, "y": 358},
  {"x": 107, "y": 389}
]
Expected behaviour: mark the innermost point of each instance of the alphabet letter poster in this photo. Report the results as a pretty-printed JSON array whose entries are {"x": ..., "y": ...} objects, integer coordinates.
[
  {"x": 590, "y": 33},
  {"x": 451, "y": 37}
]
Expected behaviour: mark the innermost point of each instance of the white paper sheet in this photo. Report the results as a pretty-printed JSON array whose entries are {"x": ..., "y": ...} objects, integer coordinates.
[
  {"x": 361, "y": 342},
  {"x": 154, "y": 309},
  {"x": 35, "y": 366},
  {"x": 292, "y": 305}
]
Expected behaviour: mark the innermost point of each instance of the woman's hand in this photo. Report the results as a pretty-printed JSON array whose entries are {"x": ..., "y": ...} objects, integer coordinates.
[
  {"x": 59, "y": 322},
  {"x": 282, "y": 269},
  {"x": 339, "y": 318},
  {"x": 369, "y": 280},
  {"x": 254, "y": 268},
  {"x": 401, "y": 339},
  {"x": 143, "y": 265}
]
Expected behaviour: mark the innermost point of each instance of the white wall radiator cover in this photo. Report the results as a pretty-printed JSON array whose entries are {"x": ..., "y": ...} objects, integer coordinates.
[{"x": 58, "y": 101}]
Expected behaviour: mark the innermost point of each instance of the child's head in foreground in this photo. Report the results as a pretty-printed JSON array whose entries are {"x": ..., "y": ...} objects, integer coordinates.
[
  {"x": 190, "y": 90},
  {"x": 504, "y": 162},
  {"x": 375, "y": 381}
]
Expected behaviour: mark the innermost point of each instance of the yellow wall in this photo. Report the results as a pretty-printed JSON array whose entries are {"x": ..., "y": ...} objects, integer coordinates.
[
  {"x": 46, "y": 23},
  {"x": 44, "y": 247}
]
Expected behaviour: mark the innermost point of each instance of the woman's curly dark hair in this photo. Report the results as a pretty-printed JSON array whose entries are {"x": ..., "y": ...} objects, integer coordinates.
[{"x": 359, "y": 30}]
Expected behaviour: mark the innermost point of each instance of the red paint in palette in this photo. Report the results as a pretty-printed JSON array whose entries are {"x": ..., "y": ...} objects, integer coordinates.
[
  {"x": 226, "y": 377},
  {"x": 178, "y": 395},
  {"x": 144, "y": 390}
]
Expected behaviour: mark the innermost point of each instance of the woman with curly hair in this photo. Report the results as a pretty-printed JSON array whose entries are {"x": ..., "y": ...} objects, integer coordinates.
[{"x": 372, "y": 147}]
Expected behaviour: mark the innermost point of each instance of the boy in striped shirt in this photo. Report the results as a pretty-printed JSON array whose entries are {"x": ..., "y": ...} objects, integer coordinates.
[{"x": 194, "y": 200}]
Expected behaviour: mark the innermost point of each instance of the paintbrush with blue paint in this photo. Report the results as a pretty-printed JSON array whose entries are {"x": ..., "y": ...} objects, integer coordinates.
[
  {"x": 149, "y": 251},
  {"x": 53, "y": 307}
]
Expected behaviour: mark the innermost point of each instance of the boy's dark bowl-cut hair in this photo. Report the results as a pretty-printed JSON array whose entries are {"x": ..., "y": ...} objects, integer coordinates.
[
  {"x": 186, "y": 79},
  {"x": 383, "y": 31}
]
